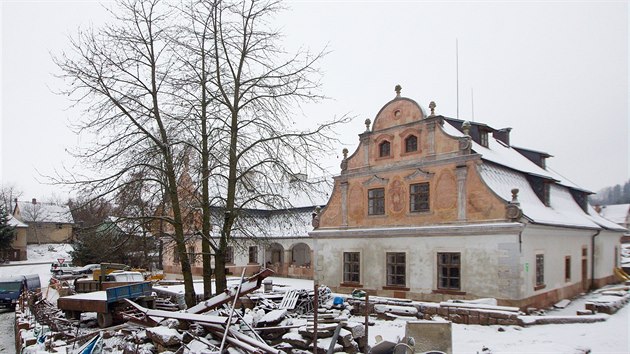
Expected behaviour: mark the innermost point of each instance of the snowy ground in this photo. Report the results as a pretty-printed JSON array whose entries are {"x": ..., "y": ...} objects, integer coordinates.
[{"x": 610, "y": 336}]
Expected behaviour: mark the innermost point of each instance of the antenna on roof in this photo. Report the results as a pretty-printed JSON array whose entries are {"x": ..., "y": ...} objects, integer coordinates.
[
  {"x": 457, "y": 74},
  {"x": 472, "y": 103}
]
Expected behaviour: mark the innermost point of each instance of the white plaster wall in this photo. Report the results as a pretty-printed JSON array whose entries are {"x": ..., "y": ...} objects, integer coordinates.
[
  {"x": 479, "y": 270},
  {"x": 565, "y": 242},
  {"x": 605, "y": 260}
]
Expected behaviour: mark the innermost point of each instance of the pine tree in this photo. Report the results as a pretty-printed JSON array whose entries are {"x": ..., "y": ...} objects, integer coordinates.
[{"x": 7, "y": 232}]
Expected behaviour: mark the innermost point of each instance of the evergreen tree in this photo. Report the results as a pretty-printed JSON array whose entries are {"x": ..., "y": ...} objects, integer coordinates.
[{"x": 7, "y": 232}]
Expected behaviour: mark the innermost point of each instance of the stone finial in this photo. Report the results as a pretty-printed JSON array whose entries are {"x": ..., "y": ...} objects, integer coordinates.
[
  {"x": 432, "y": 106},
  {"x": 466, "y": 127},
  {"x": 515, "y": 196},
  {"x": 398, "y": 88},
  {"x": 315, "y": 219},
  {"x": 367, "y": 124},
  {"x": 513, "y": 209},
  {"x": 344, "y": 162}
]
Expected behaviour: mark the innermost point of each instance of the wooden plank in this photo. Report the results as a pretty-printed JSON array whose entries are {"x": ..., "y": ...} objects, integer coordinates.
[
  {"x": 289, "y": 300},
  {"x": 180, "y": 315}
]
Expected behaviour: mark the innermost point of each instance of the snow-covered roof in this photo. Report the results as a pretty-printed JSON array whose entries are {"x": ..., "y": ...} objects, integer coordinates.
[
  {"x": 507, "y": 156},
  {"x": 44, "y": 212},
  {"x": 15, "y": 222},
  {"x": 617, "y": 213},
  {"x": 563, "y": 209},
  {"x": 294, "y": 223},
  {"x": 129, "y": 226}
]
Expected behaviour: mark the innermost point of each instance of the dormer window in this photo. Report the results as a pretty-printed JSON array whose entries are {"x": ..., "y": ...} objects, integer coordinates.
[
  {"x": 483, "y": 138},
  {"x": 411, "y": 143},
  {"x": 384, "y": 149}
]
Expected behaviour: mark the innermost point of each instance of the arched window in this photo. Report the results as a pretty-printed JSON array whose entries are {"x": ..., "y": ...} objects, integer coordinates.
[
  {"x": 411, "y": 143},
  {"x": 384, "y": 149}
]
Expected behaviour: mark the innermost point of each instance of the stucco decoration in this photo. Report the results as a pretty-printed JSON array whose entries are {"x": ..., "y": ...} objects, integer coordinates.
[
  {"x": 464, "y": 145},
  {"x": 376, "y": 181},
  {"x": 419, "y": 174},
  {"x": 446, "y": 190},
  {"x": 397, "y": 197},
  {"x": 356, "y": 198}
]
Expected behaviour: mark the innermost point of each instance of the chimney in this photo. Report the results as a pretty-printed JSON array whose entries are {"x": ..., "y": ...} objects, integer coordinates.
[{"x": 34, "y": 201}]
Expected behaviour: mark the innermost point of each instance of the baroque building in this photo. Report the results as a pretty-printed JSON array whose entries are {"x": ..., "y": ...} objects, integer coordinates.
[{"x": 434, "y": 208}]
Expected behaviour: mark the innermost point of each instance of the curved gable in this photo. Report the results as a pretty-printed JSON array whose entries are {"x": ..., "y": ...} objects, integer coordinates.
[{"x": 398, "y": 111}]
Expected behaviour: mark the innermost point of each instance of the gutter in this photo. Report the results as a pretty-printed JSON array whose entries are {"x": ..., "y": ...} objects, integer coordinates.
[{"x": 593, "y": 258}]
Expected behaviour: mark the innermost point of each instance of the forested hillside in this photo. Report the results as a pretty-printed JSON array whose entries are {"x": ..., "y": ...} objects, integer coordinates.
[{"x": 618, "y": 194}]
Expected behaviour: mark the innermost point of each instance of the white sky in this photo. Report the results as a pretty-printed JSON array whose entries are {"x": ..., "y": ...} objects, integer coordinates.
[{"x": 556, "y": 72}]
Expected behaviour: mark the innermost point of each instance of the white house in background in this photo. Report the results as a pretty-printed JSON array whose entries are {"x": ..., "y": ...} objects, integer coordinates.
[
  {"x": 17, "y": 250},
  {"x": 47, "y": 223},
  {"x": 433, "y": 208},
  {"x": 275, "y": 238},
  {"x": 617, "y": 213}
]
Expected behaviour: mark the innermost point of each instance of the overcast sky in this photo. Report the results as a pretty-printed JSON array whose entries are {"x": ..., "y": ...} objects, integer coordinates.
[{"x": 555, "y": 72}]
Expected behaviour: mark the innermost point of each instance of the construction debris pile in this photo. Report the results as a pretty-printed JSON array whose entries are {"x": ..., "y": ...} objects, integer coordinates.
[{"x": 243, "y": 320}]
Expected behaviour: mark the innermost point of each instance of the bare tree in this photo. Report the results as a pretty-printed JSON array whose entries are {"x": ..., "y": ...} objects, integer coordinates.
[
  {"x": 32, "y": 213},
  {"x": 9, "y": 193},
  {"x": 253, "y": 89},
  {"x": 119, "y": 75},
  {"x": 204, "y": 81}
]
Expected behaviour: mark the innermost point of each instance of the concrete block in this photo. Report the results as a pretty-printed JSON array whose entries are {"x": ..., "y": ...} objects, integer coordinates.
[{"x": 430, "y": 335}]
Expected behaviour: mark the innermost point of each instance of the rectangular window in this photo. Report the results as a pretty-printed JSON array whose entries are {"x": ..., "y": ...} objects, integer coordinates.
[
  {"x": 175, "y": 255},
  {"x": 229, "y": 254},
  {"x": 567, "y": 268},
  {"x": 396, "y": 267},
  {"x": 449, "y": 276},
  {"x": 253, "y": 254},
  {"x": 540, "y": 270},
  {"x": 376, "y": 201},
  {"x": 483, "y": 138},
  {"x": 191, "y": 255},
  {"x": 351, "y": 267},
  {"x": 419, "y": 197}
]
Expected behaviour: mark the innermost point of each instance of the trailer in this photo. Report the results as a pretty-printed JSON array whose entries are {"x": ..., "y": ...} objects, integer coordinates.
[{"x": 107, "y": 304}]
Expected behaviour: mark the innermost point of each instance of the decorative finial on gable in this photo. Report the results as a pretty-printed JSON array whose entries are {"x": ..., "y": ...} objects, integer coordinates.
[
  {"x": 344, "y": 162},
  {"x": 398, "y": 88},
  {"x": 513, "y": 209},
  {"x": 432, "y": 106},
  {"x": 367, "y": 124},
  {"x": 515, "y": 196},
  {"x": 466, "y": 128}
]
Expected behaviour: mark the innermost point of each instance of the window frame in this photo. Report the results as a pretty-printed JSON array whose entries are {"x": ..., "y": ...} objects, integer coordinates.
[
  {"x": 567, "y": 269},
  {"x": 351, "y": 267},
  {"x": 381, "y": 151},
  {"x": 253, "y": 255},
  {"x": 445, "y": 269},
  {"x": 376, "y": 201},
  {"x": 415, "y": 142},
  {"x": 192, "y": 256},
  {"x": 396, "y": 279},
  {"x": 483, "y": 138},
  {"x": 419, "y": 194},
  {"x": 539, "y": 271},
  {"x": 229, "y": 255}
]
